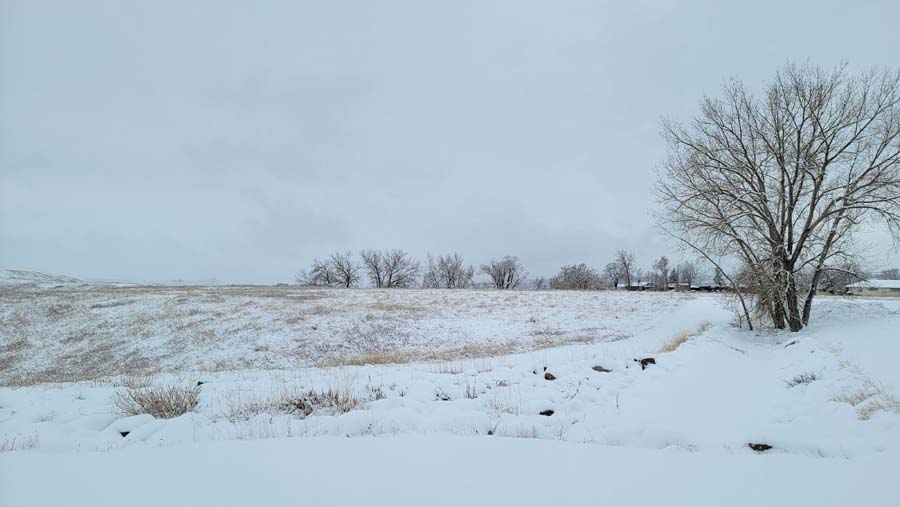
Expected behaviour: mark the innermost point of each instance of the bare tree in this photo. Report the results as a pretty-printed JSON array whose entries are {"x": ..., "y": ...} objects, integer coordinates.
[
  {"x": 613, "y": 272},
  {"x": 344, "y": 269},
  {"x": 626, "y": 266},
  {"x": 661, "y": 267},
  {"x": 507, "y": 273},
  {"x": 319, "y": 274},
  {"x": 390, "y": 268},
  {"x": 781, "y": 182},
  {"x": 448, "y": 272},
  {"x": 890, "y": 274},
  {"x": 539, "y": 282},
  {"x": 719, "y": 277},
  {"x": 687, "y": 273},
  {"x": 576, "y": 277}
]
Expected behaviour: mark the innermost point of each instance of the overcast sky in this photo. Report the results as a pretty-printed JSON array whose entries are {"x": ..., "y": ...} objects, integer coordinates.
[{"x": 152, "y": 141}]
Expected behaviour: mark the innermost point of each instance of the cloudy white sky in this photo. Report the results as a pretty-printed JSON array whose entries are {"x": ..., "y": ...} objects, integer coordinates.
[{"x": 236, "y": 140}]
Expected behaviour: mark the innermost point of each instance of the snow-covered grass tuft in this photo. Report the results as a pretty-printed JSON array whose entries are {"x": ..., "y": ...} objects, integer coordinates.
[
  {"x": 869, "y": 398},
  {"x": 18, "y": 443},
  {"x": 160, "y": 401},
  {"x": 339, "y": 395}
]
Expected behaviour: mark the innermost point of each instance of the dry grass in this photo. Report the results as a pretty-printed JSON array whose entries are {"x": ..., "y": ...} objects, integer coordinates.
[
  {"x": 869, "y": 398},
  {"x": 94, "y": 333},
  {"x": 375, "y": 357},
  {"x": 883, "y": 403},
  {"x": 338, "y": 397},
  {"x": 682, "y": 337},
  {"x": 478, "y": 365},
  {"x": 505, "y": 401},
  {"x": 469, "y": 351},
  {"x": 518, "y": 432},
  {"x": 18, "y": 443},
  {"x": 160, "y": 401}
]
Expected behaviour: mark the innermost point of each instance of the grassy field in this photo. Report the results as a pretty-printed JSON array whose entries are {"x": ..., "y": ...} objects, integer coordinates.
[{"x": 91, "y": 332}]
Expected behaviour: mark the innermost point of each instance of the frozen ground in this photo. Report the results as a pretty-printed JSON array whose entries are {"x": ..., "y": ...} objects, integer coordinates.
[{"x": 469, "y": 430}]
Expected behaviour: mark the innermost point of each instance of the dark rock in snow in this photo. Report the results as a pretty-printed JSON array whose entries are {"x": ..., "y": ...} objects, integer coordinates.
[
  {"x": 549, "y": 376},
  {"x": 124, "y": 433},
  {"x": 759, "y": 447},
  {"x": 645, "y": 362},
  {"x": 601, "y": 369},
  {"x": 547, "y": 413}
]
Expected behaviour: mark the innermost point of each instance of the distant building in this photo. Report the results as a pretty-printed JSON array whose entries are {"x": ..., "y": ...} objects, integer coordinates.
[
  {"x": 877, "y": 288},
  {"x": 637, "y": 286}
]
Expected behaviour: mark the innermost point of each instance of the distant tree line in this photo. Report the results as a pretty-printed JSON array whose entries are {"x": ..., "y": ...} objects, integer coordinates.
[{"x": 397, "y": 269}]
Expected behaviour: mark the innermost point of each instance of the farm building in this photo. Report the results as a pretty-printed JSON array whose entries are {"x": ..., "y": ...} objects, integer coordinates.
[{"x": 878, "y": 288}]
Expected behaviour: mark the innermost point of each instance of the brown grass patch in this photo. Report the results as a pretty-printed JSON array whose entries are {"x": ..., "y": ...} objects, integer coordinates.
[
  {"x": 160, "y": 401},
  {"x": 682, "y": 337}
]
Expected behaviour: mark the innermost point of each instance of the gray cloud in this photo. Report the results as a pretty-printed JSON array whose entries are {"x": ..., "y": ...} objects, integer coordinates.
[{"x": 223, "y": 139}]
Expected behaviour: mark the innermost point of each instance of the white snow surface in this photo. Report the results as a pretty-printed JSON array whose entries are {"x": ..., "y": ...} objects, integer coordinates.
[{"x": 469, "y": 430}]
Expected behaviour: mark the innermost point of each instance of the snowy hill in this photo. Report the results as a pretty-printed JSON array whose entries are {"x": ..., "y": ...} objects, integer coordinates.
[
  {"x": 17, "y": 278},
  {"x": 487, "y": 397}
]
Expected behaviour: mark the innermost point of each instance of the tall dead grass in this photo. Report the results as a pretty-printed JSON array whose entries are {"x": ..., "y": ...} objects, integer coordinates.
[
  {"x": 869, "y": 398},
  {"x": 682, "y": 337},
  {"x": 160, "y": 401}
]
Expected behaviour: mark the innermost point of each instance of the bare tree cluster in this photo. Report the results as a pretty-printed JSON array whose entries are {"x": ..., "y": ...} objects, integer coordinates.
[
  {"x": 506, "y": 273},
  {"x": 397, "y": 269},
  {"x": 890, "y": 274},
  {"x": 338, "y": 270},
  {"x": 448, "y": 272},
  {"x": 779, "y": 183},
  {"x": 577, "y": 277},
  {"x": 390, "y": 268}
]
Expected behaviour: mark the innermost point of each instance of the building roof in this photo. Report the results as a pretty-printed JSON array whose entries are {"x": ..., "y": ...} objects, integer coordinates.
[
  {"x": 635, "y": 284},
  {"x": 875, "y": 284}
]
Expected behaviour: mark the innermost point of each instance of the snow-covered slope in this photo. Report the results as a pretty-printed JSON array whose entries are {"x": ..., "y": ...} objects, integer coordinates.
[
  {"x": 100, "y": 331},
  {"x": 19, "y": 279},
  {"x": 500, "y": 430}
]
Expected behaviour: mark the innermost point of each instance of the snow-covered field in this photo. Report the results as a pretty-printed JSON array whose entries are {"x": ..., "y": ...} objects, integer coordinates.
[
  {"x": 461, "y": 422},
  {"x": 86, "y": 332}
]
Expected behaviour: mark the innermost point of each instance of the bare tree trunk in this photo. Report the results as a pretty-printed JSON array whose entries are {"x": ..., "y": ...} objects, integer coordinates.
[{"x": 793, "y": 313}]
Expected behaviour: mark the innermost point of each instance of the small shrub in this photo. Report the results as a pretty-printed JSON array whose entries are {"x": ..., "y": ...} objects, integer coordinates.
[
  {"x": 333, "y": 399},
  {"x": 162, "y": 402},
  {"x": 339, "y": 396},
  {"x": 802, "y": 379}
]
